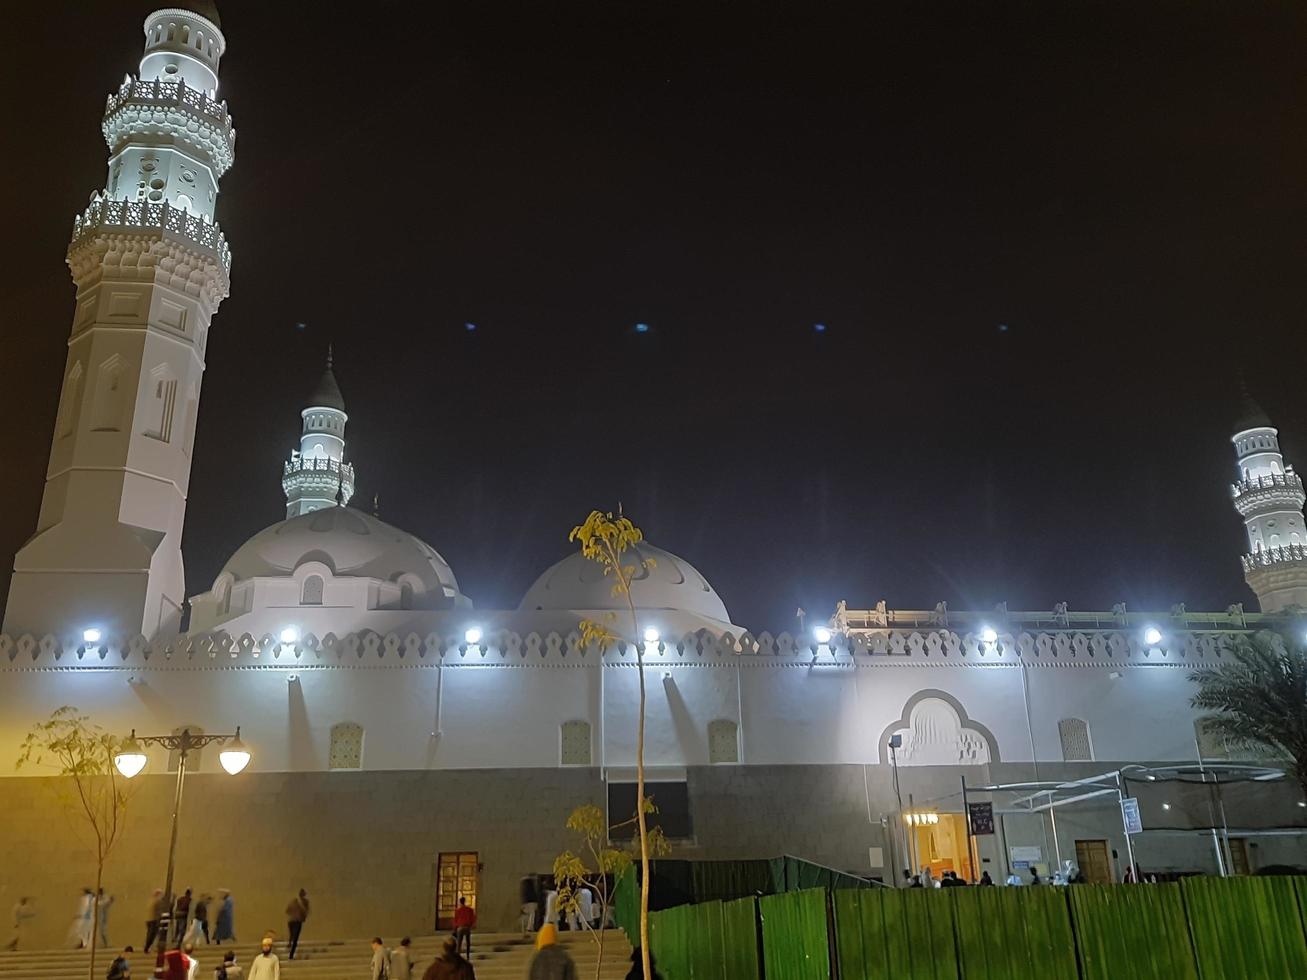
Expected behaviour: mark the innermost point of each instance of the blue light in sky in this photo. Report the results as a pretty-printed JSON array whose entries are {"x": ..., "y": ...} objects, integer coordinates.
[
  {"x": 642, "y": 328},
  {"x": 469, "y": 327},
  {"x": 819, "y": 327}
]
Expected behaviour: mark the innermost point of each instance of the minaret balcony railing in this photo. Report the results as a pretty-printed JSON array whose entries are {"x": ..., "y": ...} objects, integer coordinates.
[
  {"x": 143, "y": 109},
  {"x": 1269, "y": 557},
  {"x": 1278, "y": 491},
  {"x": 167, "y": 95},
  {"x": 316, "y": 464},
  {"x": 104, "y": 214}
]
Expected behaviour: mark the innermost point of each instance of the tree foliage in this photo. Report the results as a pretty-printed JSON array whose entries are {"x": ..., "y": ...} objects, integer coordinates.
[
  {"x": 598, "y": 866},
  {"x": 74, "y": 748},
  {"x": 606, "y": 539},
  {"x": 1259, "y": 699}
]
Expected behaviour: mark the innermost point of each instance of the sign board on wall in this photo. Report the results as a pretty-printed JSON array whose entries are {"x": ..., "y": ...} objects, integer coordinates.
[
  {"x": 1130, "y": 817},
  {"x": 982, "y": 818},
  {"x": 1026, "y": 856}
]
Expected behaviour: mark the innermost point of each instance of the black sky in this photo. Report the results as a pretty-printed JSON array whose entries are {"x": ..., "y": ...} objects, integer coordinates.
[{"x": 1124, "y": 186}]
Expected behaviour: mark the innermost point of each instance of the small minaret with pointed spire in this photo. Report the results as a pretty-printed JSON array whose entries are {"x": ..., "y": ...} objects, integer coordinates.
[
  {"x": 316, "y": 475},
  {"x": 1269, "y": 497}
]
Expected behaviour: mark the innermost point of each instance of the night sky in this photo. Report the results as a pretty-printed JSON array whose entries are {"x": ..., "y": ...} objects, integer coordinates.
[{"x": 1042, "y": 239}]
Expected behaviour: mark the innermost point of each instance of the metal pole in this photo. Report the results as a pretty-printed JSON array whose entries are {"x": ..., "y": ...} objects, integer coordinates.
[
  {"x": 165, "y": 923},
  {"x": 898, "y": 795},
  {"x": 1129, "y": 847},
  {"x": 1052, "y": 816},
  {"x": 911, "y": 838},
  {"x": 966, "y": 815},
  {"x": 1225, "y": 826},
  {"x": 1211, "y": 810}
]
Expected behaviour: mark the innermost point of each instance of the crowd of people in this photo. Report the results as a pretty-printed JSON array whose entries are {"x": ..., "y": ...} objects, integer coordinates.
[
  {"x": 175, "y": 928},
  {"x": 1069, "y": 874}
]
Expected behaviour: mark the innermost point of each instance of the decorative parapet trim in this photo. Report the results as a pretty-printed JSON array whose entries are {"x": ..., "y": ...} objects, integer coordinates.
[
  {"x": 105, "y": 215},
  {"x": 1291, "y": 554},
  {"x": 170, "y": 108},
  {"x": 1105, "y": 648},
  {"x": 317, "y": 473}
]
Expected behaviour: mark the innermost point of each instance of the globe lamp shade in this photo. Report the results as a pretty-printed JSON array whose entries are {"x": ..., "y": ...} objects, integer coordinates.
[
  {"x": 130, "y": 760},
  {"x": 234, "y": 755}
]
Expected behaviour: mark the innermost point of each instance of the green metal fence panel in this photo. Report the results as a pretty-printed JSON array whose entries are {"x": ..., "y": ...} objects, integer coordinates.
[
  {"x": 626, "y": 905},
  {"x": 1009, "y": 933},
  {"x": 1132, "y": 932},
  {"x": 705, "y": 946},
  {"x": 795, "y": 941},
  {"x": 895, "y": 934},
  {"x": 740, "y": 940},
  {"x": 728, "y": 880},
  {"x": 1246, "y": 928},
  {"x": 669, "y": 941}
]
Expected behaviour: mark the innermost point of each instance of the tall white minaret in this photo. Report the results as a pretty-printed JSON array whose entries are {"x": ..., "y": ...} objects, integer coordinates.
[
  {"x": 317, "y": 475},
  {"x": 1269, "y": 497},
  {"x": 150, "y": 268}
]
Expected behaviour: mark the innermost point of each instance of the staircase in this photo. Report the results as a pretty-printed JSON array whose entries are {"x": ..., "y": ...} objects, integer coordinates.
[{"x": 495, "y": 956}]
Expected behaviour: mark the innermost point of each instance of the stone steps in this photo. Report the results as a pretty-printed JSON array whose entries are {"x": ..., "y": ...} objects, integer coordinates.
[{"x": 496, "y": 956}]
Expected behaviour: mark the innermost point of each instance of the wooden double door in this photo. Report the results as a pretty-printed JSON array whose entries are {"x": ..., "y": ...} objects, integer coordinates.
[{"x": 456, "y": 877}]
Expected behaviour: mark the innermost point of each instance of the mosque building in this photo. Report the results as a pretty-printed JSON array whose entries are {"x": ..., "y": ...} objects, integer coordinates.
[{"x": 409, "y": 747}]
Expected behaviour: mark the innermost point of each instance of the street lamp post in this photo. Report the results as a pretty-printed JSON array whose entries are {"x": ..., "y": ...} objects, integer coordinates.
[{"x": 131, "y": 759}]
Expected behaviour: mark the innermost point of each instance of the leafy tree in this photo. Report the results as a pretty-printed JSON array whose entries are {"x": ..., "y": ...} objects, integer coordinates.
[
  {"x": 598, "y": 866},
  {"x": 606, "y": 539},
  {"x": 83, "y": 752},
  {"x": 1259, "y": 697}
]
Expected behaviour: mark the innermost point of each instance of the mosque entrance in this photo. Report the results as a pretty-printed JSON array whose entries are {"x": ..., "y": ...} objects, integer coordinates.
[
  {"x": 939, "y": 842},
  {"x": 1093, "y": 861},
  {"x": 456, "y": 877}
]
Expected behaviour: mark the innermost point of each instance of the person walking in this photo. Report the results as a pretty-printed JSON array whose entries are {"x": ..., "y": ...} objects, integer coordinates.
[
  {"x": 227, "y": 969},
  {"x": 225, "y": 927},
  {"x": 551, "y": 908},
  {"x": 23, "y": 911},
  {"x": 200, "y": 920},
  {"x": 551, "y": 961},
  {"x": 105, "y": 903},
  {"x": 985, "y": 879},
  {"x": 79, "y": 932},
  {"x": 181, "y": 917},
  {"x": 153, "y": 913},
  {"x": 265, "y": 966},
  {"x": 449, "y": 965},
  {"x": 401, "y": 961},
  {"x": 192, "y": 964},
  {"x": 296, "y": 912},
  {"x": 121, "y": 967},
  {"x": 464, "y": 919},
  {"x": 380, "y": 966}
]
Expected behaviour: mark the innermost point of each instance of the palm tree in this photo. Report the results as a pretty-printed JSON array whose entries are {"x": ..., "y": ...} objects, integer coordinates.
[{"x": 1259, "y": 698}]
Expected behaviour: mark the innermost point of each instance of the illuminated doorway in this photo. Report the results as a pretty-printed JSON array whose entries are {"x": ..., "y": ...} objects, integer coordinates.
[
  {"x": 456, "y": 877},
  {"x": 939, "y": 842}
]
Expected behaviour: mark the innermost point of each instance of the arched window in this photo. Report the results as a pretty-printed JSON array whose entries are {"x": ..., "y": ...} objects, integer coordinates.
[
  {"x": 723, "y": 741},
  {"x": 185, "y": 35},
  {"x": 1076, "y": 747},
  {"x": 109, "y": 396},
  {"x": 72, "y": 401},
  {"x": 193, "y": 757},
  {"x": 574, "y": 743},
  {"x": 172, "y": 31},
  {"x": 312, "y": 592},
  {"x": 346, "y": 746}
]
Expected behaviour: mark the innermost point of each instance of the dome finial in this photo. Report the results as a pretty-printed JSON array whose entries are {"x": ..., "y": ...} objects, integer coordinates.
[
  {"x": 1251, "y": 415},
  {"x": 329, "y": 353}
]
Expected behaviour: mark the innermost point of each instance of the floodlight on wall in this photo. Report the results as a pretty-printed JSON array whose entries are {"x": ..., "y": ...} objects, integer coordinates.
[
  {"x": 472, "y": 635},
  {"x": 1303, "y": 804},
  {"x": 651, "y": 635},
  {"x": 988, "y": 634},
  {"x": 234, "y": 755},
  {"x": 1166, "y": 806},
  {"x": 130, "y": 759},
  {"x": 822, "y": 635},
  {"x": 1152, "y": 636},
  {"x": 290, "y": 635},
  {"x": 91, "y": 634}
]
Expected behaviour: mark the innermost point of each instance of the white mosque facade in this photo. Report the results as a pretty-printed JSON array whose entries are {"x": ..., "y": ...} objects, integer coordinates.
[{"x": 396, "y": 727}]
